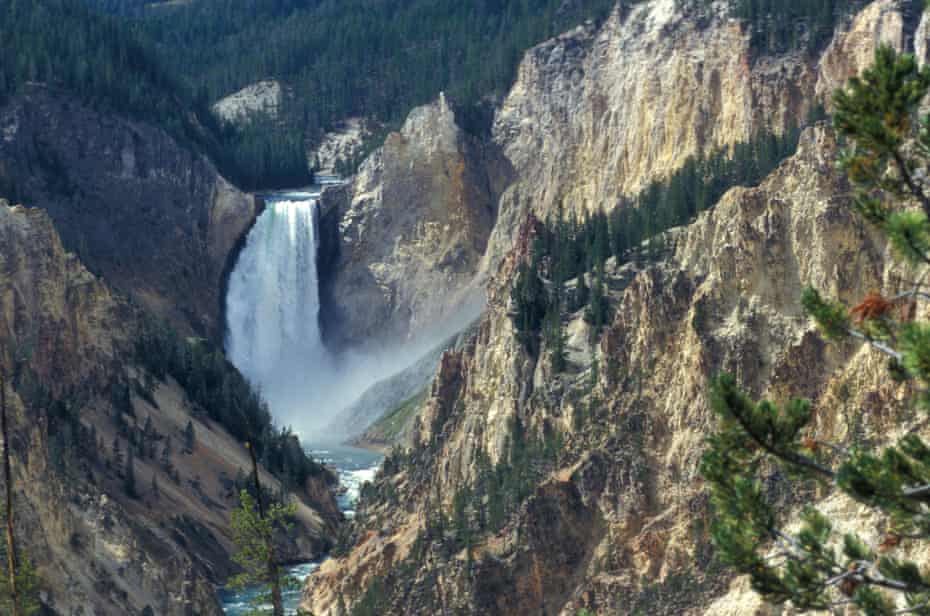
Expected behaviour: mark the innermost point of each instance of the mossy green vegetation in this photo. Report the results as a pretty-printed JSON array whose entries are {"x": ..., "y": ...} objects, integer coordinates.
[{"x": 390, "y": 427}]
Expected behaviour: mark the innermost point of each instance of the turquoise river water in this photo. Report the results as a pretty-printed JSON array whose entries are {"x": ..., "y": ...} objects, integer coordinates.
[{"x": 355, "y": 467}]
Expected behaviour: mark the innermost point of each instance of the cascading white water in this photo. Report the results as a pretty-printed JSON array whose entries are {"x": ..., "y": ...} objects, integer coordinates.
[
  {"x": 273, "y": 334},
  {"x": 273, "y": 304}
]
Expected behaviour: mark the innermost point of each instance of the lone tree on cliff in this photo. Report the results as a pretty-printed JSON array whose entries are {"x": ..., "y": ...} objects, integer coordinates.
[
  {"x": 19, "y": 588},
  {"x": 814, "y": 568},
  {"x": 254, "y": 528}
]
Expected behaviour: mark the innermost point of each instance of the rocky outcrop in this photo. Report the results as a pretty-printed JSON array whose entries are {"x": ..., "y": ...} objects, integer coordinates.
[
  {"x": 67, "y": 342},
  {"x": 413, "y": 226},
  {"x": 342, "y": 147},
  {"x": 262, "y": 98},
  {"x": 147, "y": 214},
  {"x": 55, "y": 316},
  {"x": 889, "y": 22},
  {"x": 598, "y": 113},
  {"x": 610, "y": 515},
  {"x": 619, "y": 510}
]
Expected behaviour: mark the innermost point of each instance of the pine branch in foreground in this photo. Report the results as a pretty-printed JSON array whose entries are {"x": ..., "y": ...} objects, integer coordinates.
[{"x": 813, "y": 568}]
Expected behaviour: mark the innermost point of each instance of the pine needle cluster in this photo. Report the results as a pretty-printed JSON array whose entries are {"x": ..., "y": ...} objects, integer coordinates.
[{"x": 814, "y": 568}]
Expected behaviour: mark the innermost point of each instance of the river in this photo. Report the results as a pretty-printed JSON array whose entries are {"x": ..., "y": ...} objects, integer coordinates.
[{"x": 355, "y": 467}]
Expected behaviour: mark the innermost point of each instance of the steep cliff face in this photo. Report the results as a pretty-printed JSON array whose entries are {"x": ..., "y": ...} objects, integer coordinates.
[
  {"x": 594, "y": 116},
  {"x": 66, "y": 340},
  {"x": 150, "y": 216},
  {"x": 530, "y": 492},
  {"x": 413, "y": 226},
  {"x": 65, "y": 319},
  {"x": 597, "y": 114},
  {"x": 614, "y": 518},
  {"x": 341, "y": 147}
]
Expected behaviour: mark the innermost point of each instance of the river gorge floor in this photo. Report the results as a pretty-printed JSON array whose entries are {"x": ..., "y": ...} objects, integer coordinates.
[{"x": 354, "y": 466}]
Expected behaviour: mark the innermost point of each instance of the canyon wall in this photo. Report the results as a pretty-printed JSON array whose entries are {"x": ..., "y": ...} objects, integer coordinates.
[
  {"x": 607, "y": 511},
  {"x": 413, "y": 225},
  {"x": 143, "y": 211},
  {"x": 67, "y": 345},
  {"x": 615, "y": 518},
  {"x": 596, "y": 114}
]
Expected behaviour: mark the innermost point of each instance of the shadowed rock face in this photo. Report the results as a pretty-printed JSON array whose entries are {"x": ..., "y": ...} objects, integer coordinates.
[
  {"x": 147, "y": 214},
  {"x": 54, "y": 314},
  {"x": 413, "y": 225},
  {"x": 65, "y": 332}
]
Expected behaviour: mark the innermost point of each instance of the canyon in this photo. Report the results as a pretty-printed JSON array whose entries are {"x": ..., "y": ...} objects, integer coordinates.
[
  {"x": 577, "y": 489},
  {"x": 614, "y": 517},
  {"x": 129, "y": 235}
]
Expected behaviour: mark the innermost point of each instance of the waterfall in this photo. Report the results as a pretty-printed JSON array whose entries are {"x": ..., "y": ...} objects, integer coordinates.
[
  {"x": 272, "y": 325},
  {"x": 273, "y": 304}
]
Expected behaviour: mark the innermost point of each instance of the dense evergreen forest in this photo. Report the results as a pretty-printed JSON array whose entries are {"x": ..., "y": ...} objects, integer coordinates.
[
  {"x": 783, "y": 25},
  {"x": 125, "y": 8},
  {"x": 360, "y": 57},
  {"x": 338, "y": 58},
  {"x": 62, "y": 43},
  {"x": 341, "y": 58}
]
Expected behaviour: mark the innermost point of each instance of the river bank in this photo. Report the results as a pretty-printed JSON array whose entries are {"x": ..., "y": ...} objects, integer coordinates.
[{"x": 354, "y": 466}]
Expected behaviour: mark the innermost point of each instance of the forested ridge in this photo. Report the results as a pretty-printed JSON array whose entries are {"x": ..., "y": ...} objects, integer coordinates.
[
  {"x": 337, "y": 59},
  {"x": 64, "y": 44},
  {"x": 380, "y": 58},
  {"x": 372, "y": 58},
  {"x": 360, "y": 56}
]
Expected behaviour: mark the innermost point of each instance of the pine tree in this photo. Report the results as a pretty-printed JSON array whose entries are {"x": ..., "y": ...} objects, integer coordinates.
[
  {"x": 595, "y": 368},
  {"x": 117, "y": 455},
  {"x": 165, "y": 462},
  {"x": 190, "y": 437},
  {"x": 19, "y": 588},
  {"x": 582, "y": 293},
  {"x": 129, "y": 477},
  {"x": 93, "y": 446},
  {"x": 530, "y": 304},
  {"x": 254, "y": 527},
  {"x": 26, "y": 583},
  {"x": 598, "y": 309},
  {"x": 812, "y": 567},
  {"x": 555, "y": 340}
]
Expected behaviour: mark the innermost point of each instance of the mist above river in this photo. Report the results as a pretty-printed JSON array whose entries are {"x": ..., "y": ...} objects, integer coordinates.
[{"x": 273, "y": 333}]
